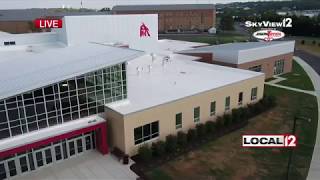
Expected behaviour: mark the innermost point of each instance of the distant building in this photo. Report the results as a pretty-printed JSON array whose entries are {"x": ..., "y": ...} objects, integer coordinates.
[
  {"x": 307, "y": 13},
  {"x": 21, "y": 20},
  {"x": 177, "y": 17},
  {"x": 271, "y": 58}
]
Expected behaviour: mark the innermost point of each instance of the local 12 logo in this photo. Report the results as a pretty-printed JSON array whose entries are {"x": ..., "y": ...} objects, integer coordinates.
[
  {"x": 48, "y": 23},
  {"x": 269, "y": 141},
  {"x": 268, "y": 34}
]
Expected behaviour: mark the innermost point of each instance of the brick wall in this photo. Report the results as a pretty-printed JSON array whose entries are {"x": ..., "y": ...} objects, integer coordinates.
[
  {"x": 267, "y": 64},
  {"x": 185, "y": 19},
  {"x": 15, "y": 26}
]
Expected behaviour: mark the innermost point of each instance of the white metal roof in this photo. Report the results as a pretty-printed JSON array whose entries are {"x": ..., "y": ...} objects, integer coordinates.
[
  {"x": 177, "y": 79},
  {"x": 168, "y": 45},
  {"x": 238, "y": 53},
  {"x": 22, "y": 71}
]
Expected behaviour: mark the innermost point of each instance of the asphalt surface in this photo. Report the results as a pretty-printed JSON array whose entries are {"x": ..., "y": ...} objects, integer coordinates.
[{"x": 312, "y": 60}]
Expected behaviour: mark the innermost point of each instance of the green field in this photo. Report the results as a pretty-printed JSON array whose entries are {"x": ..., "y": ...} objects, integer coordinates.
[
  {"x": 224, "y": 159},
  {"x": 298, "y": 78}
]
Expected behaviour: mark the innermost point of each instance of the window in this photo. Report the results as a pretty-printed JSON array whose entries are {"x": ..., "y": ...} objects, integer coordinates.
[
  {"x": 227, "y": 105},
  {"x": 254, "y": 92},
  {"x": 146, "y": 132},
  {"x": 212, "y": 108},
  {"x": 255, "y": 68},
  {"x": 178, "y": 120},
  {"x": 240, "y": 98},
  {"x": 278, "y": 67},
  {"x": 57, "y": 103},
  {"x": 196, "y": 114}
]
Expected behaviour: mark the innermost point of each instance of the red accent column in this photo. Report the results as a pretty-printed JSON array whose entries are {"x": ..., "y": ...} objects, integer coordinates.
[{"x": 102, "y": 144}]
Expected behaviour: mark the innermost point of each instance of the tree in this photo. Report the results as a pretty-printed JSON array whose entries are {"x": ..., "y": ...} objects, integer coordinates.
[{"x": 227, "y": 22}]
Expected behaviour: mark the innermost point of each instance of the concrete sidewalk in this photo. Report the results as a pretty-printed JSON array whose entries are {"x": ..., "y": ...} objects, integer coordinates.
[
  {"x": 89, "y": 166},
  {"x": 314, "y": 171}
]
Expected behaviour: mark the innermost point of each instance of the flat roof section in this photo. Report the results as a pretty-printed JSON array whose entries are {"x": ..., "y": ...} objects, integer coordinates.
[
  {"x": 172, "y": 46},
  {"x": 238, "y": 53},
  {"x": 26, "y": 69},
  {"x": 167, "y": 82},
  {"x": 163, "y": 7}
]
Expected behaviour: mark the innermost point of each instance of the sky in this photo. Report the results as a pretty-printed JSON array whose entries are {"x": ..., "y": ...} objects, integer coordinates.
[{"x": 96, "y": 4}]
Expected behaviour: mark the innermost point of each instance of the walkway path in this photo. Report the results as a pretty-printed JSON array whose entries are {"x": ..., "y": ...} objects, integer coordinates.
[
  {"x": 277, "y": 80},
  {"x": 88, "y": 166},
  {"x": 314, "y": 171}
]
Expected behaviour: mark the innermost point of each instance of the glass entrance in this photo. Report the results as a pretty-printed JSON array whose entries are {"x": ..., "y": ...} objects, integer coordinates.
[
  {"x": 46, "y": 155},
  {"x": 278, "y": 67}
]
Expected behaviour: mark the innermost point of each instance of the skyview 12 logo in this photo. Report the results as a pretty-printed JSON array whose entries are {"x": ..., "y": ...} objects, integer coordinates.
[
  {"x": 285, "y": 23},
  {"x": 269, "y": 141}
]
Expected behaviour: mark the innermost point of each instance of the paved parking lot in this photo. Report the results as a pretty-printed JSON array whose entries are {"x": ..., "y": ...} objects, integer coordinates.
[
  {"x": 91, "y": 165},
  {"x": 312, "y": 60}
]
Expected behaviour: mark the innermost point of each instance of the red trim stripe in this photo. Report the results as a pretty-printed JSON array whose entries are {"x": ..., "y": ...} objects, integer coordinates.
[{"x": 101, "y": 144}]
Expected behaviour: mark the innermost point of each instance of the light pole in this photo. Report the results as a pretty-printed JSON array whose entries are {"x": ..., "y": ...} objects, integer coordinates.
[{"x": 293, "y": 133}]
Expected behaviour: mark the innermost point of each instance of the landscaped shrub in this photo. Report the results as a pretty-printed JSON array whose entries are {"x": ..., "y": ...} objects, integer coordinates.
[
  {"x": 210, "y": 127},
  {"x": 243, "y": 113},
  {"x": 171, "y": 143},
  {"x": 219, "y": 122},
  {"x": 302, "y": 42},
  {"x": 227, "y": 120},
  {"x": 182, "y": 139},
  {"x": 318, "y": 44},
  {"x": 314, "y": 42},
  {"x": 158, "y": 148},
  {"x": 145, "y": 153},
  {"x": 192, "y": 135},
  {"x": 235, "y": 115},
  {"x": 201, "y": 131}
]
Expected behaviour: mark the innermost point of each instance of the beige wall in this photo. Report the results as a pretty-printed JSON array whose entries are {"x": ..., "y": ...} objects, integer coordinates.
[{"x": 165, "y": 113}]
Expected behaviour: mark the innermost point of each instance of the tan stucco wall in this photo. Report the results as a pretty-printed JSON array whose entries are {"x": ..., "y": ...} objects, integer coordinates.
[
  {"x": 115, "y": 128},
  {"x": 165, "y": 113}
]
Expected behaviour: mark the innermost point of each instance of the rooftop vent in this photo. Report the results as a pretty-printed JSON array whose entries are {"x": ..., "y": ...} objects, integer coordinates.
[{"x": 29, "y": 49}]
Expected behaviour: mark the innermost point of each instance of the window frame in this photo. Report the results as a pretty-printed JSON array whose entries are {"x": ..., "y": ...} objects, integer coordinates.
[
  {"x": 196, "y": 110},
  {"x": 153, "y": 134},
  {"x": 254, "y": 93},
  {"x": 213, "y": 108},
  {"x": 240, "y": 98},
  {"x": 179, "y": 125},
  {"x": 227, "y": 103}
]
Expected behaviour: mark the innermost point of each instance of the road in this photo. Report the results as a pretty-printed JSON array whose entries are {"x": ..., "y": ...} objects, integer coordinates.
[{"x": 312, "y": 60}]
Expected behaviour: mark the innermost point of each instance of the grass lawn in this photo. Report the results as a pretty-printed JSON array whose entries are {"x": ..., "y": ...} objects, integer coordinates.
[
  {"x": 224, "y": 159},
  {"x": 298, "y": 78}
]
